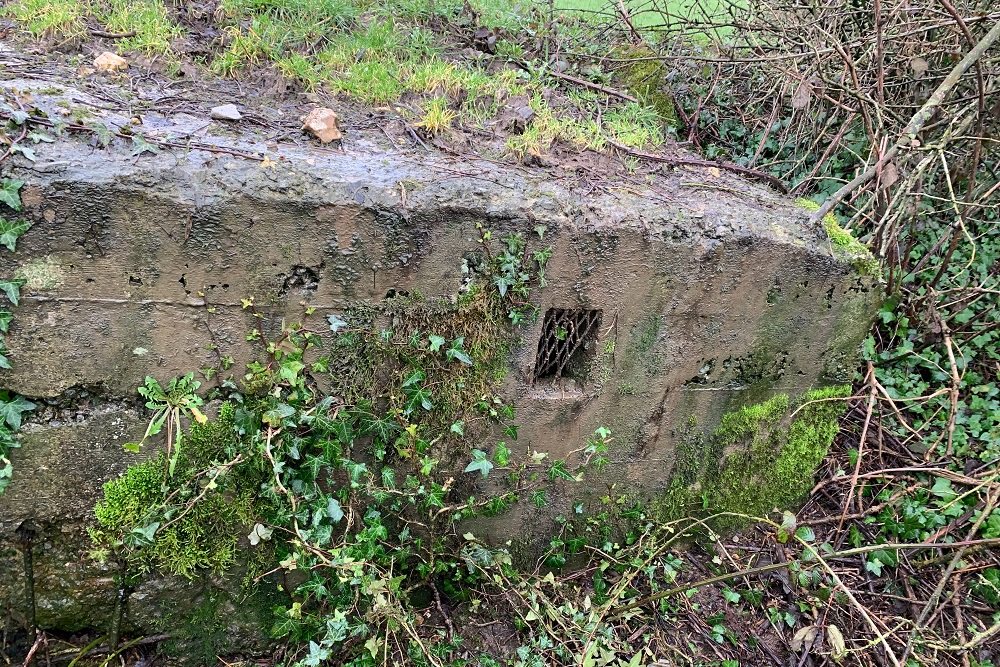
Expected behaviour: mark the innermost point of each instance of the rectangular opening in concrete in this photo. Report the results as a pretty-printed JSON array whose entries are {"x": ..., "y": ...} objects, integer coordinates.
[{"x": 567, "y": 344}]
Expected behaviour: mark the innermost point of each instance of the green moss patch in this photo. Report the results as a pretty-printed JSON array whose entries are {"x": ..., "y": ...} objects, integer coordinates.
[
  {"x": 761, "y": 457},
  {"x": 202, "y": 536},
  {"x": 845, "y": 246}
]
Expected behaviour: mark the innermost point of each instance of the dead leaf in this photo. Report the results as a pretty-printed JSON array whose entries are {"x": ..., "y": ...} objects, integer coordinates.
[
  {"x": 110, "y": 62},
  {"x": 321, "y": 122},
  {"x": 889, "y": 175},
  {"x": 802, "y": 94},
  {"x": 838, "y": 647},
  {"x": 804, "y": 638},
  {"x": 919, "y": 67},
  {"x": 267, "y": 163}
]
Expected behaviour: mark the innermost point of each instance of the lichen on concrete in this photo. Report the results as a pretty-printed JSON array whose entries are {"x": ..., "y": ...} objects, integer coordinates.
[{"x": 41, "y": 274}]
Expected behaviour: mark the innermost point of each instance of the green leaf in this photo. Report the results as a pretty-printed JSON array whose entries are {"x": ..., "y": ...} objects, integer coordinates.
[
  {"x": 457, "y": 353},
  {"x": 501, "y": 454},
  {"x": 787, "y": 527},
  {"x": 458, "y": 428},
  {"x": 334, "y": 510},
  {"x": 558, "y": 470},
  {"x": 480, "y": 463},
  {"x": 6, "y": 317},
  {"x": 277, "y": 413},
  {"x": 290, "y": 370},
  {"x": 145, "y": 534},
  {"x": 942, "y": 489},
  {"x": 12, "y": 288},
  {"x": 4, "y": 360},
  {"x": 805, "y": 533},
  {"x": 436, "y": 342},
  {"x": 10, "y": 230},
  {"x": 731, "y": 596},
  {"x": 140, "y": 146},
  {"x": 12, "y": 410},
  {"x": 416, "y": 377},
  {"x": 36, "y": 136},
  {"x": 9, "y": 193},
  {"x": 26, "y": 151},
  {"x": 336, "y": 324}
]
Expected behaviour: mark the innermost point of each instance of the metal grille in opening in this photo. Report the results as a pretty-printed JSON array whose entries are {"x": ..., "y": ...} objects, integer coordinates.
[{"x": 567, "y": 343}]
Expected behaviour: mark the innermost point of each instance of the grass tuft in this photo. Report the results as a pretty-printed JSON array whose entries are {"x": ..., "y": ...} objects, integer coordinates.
[{"x": 48, "y": 18}]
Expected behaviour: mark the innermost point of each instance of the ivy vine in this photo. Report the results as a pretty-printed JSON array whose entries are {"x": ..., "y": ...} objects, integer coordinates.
[{"x": 12, "y": 407}]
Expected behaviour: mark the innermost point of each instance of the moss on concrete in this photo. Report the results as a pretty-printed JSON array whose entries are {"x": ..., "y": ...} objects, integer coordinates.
[
  {"x": 204, "y": 537},
  {"x": 761, "y": 457},
  {"x": 845, "y": 246}
]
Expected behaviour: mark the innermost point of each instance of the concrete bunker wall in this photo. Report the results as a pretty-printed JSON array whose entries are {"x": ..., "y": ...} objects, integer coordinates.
[{"x": 129, "y": 277}]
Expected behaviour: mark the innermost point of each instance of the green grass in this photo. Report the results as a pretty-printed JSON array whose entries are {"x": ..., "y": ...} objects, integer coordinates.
[
  {"x": 147, "y": 19},
  {"x": 48, "y": 18},
  {"x": 642, "y": 12}
]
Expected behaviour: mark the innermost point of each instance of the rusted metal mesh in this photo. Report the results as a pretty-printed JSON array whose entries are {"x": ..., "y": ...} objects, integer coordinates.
[{"x": 562, "y": 346}]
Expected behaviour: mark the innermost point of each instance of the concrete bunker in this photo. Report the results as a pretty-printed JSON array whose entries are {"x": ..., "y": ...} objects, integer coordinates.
[{"x": 688, "y": 320}]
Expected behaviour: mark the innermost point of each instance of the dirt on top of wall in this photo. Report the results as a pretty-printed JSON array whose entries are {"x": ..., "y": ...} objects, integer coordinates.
[{"x": 142, "y": 132}]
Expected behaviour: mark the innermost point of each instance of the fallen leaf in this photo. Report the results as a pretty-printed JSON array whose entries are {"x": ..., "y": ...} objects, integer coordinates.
[
  {"x": 802, "y": 95},
  {"x": 838, "y": 647},
  {"x": 889, "y": 175},
  {"x": 804, "y": 638}
]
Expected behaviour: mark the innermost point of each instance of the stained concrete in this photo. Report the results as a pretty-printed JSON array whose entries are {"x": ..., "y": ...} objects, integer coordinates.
[{"x": 714, "y": 293}]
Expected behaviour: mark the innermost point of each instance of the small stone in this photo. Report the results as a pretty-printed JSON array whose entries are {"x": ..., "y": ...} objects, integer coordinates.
[
  {"x": 226, "y": 112},
  {"x": 110, "y": 62},
  {"x": 322, "y": 124}
]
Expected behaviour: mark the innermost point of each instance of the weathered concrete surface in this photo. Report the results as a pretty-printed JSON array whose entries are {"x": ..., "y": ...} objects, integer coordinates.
[{"x": 714, "y": 295}]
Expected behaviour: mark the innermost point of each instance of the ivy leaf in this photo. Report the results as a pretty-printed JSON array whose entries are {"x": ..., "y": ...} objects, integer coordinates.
[
  {"x": 460, "y": 354},
  {"x": 26, "y": 151},
  {"x": 421, "y": 397},
  {"x": 9, "y": 193},
  {"x": 145, "y": 534},
  {"x": 11, "y": 411},
  {"x": 787, "y": 527},
  {"x": 36, "y": 136},
  {"x": 140, "y": 146},
  {"x": 436, "y": 342},
  {"x": 12, "y": 288},
  {"x": 415, "y": 377},
  {"x": 558, "y": 470},
  {"x": 336, "y": 323},
  {"x": 16, "y": 115},
  {"x": 457, "y": 428},
  {"x": 290, "y": 370},
  {"x": 480, "y": 463},
  {"x": 276, "y": 414},
  {"x": 4, "y": 361},
  {"x": 6, "y": 317},
  {"x": 334, "y": 510},
  {"x": 259, "y": 534}
]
